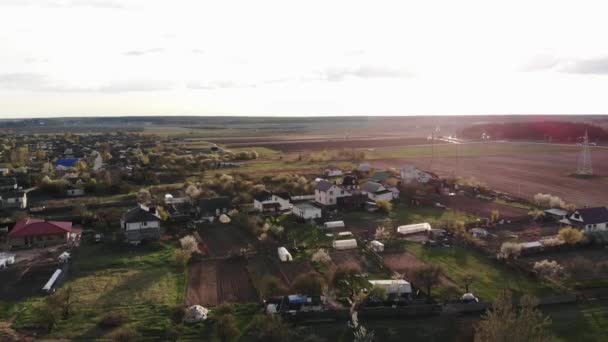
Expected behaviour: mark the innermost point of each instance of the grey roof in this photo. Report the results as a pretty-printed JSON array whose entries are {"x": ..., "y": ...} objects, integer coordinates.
[
  {"x": 349, "y": 180},
  {"x": 324, "y": 185},
  {"x": 138, "y": 214},
  {"x": 380, "y": 176},
  {"x": 594, "y": 215},
  {"x": 211, "y": 204},
  {"x": 263, "y": 196},
  {"x": 306, "y": 205},
  {"x": 371, "y": 187},
  {"x": 8, "y": 181}
]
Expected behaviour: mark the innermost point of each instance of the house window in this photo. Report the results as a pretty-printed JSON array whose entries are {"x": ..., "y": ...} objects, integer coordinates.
[
  {"x": 342, "y": 192},
  {"x": 331, "y": 192},
  {"x": 144, "y": 224}
]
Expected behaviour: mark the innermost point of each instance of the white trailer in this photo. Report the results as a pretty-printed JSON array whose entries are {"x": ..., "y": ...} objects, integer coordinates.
[
  {"x": 342, "y": 235},
  {"x": 284, "y": 254},
  {"x": 345, "y": 244},
  {"x": 334, "y": 225},
  {"x": 393, "y": 286},
  {"x": 48, "y": 287},
  {"x": 414, "y": 228}
]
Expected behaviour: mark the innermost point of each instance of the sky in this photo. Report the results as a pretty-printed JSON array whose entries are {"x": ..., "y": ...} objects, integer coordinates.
[{"x": 302, "y": 58}]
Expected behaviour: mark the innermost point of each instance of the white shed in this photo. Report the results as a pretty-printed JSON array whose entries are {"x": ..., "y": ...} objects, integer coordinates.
[
  {"x": 334, "y": 225},
  {"x": 393, "y": 286},
  {"x": 414, "y": 228},
  {"x": 377, "y": 246},
  {"x": 345, "y": 244},
  {"x": 284, "y": 254}
]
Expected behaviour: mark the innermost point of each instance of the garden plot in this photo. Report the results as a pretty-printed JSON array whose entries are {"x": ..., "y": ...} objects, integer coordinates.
[
  {"x": 213, "y": 282},
  {"x": 225, "y": 240}
]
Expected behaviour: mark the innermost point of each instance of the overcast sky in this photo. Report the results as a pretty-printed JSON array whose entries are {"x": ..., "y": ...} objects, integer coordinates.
[{"x": 179, "y": 57}]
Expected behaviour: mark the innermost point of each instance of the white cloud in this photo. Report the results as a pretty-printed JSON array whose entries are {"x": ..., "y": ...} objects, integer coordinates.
[{"x": 318, "y": 57}]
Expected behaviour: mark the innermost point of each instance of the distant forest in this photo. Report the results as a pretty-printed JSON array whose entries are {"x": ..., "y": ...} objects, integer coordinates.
[{"x": 557, "y": 131}]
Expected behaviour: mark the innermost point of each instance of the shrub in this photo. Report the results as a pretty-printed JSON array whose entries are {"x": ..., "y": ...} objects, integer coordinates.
[
  {"x": 582, "y": 267},
  {"x": 309, "y": 284},
  {"x": 549, "y": 269},
  {"x": 571, "y": 236},
  {"x": 189, "y": 243},
  {"x": 181, "y": 257},
  {"x": 321, "y": 256},
  {"x": 510, "y": 250},
  {"x": 112, "y": 320},
  {"x": 385, "y": 206},
  {"x": 123, "y": 334}
]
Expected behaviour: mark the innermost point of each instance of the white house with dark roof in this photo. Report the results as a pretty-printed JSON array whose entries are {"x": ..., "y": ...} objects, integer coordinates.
[
  {"x": 376, "y": 191},
  {"x": 13, "y": 199},
  {"x": 270, "y": 202},
  {"x": 590, "y": 219},
  {"x": 141, "y": 223},
  {"x": 333, "y": 171},
  {"x": 327, "y": 193}
]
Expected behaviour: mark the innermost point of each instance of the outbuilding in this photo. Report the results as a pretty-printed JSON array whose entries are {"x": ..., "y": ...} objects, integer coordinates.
[
  {"x": 345, "y": 244},
  {"x": 414, "y": 228},
  {"x": 393, "y": 286},
  {"x": 334, "y": 225},
  {"x": 306, "y": 211},
  {"x": 284, "y": 254}
]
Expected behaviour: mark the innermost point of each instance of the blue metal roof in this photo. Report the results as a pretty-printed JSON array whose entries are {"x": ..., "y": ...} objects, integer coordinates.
[{"x": 67, "y": 162}]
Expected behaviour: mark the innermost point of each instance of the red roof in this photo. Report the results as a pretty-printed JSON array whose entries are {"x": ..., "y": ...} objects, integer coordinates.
[{"x": 35, "y": 227}]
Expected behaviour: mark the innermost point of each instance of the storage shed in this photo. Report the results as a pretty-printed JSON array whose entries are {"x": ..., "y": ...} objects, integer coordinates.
[
  {"x": 414, "y": 228},
  {"x": 393, "y": 286},
  {"x": 345, "y": 244},
  {"x": 334, "y": 225}
]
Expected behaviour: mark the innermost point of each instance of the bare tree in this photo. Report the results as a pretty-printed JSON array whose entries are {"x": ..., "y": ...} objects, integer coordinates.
[
  {"x": 428, "y": 276},
  {"x": 504, "y": 323}
]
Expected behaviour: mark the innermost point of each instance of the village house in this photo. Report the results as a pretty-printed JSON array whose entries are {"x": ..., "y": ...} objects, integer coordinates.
[
  {"x": 13, "y": 199},
  {"x": 327, "y": 193},
  {"x": 268, "y": 202},
  {"x": 350, "y": 182},
  {"x": 141, "y": 223},
  {"x": 333, "y": 171},
  {"x": 380, "y": 176},
  {"x": 39, "y": 233},
  {"x": 8, "y": 183},
  {"x": 307, "y": 211},
  {"x": 178, "y": 208},
  {"x": 412, "y": 175},
  {"x": 376, "y": 191},
  {"x": 590, "y": 219},
  {"x": 364, "y": 167},
  {"x": 210, "y": 209}
]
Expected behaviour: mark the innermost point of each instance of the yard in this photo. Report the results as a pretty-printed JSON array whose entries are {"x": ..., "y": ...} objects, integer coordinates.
[
  {"x": 140, "y": 283},
  {"x": 490, "y": 277}
]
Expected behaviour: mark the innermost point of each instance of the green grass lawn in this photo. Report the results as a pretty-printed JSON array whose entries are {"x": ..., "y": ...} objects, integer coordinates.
[
  {"x": 490, "y": 276},
  {"x": 403, "y": 214},
  {"x": 140, "y": 282},
  {"x": 580, "y": 322}
]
